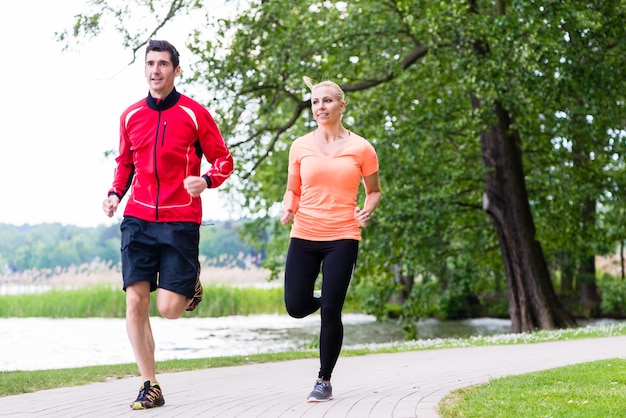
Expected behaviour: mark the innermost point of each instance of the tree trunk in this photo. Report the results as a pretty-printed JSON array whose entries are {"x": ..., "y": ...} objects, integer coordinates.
[
  {"x": 589, "y": 297},
  {"x": 621, "y": 257},
  {"x": 533, "y": 303},
  {"x": 405, "y": 282},
  {"x": 568, "y": 268}
]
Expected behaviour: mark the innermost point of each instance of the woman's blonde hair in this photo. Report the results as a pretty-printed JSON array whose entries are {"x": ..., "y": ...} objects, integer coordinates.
[{"x": 339, "y": 95}]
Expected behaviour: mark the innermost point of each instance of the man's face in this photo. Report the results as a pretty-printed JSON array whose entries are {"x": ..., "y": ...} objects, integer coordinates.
[{"x": 160, "y": 73}]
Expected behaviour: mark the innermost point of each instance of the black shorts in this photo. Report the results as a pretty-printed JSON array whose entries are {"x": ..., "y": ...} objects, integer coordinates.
[{"x": 165, "y": 254}]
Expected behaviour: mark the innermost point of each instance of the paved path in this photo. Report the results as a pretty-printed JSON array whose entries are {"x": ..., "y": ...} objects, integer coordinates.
[{"x": 380, "y": 385}]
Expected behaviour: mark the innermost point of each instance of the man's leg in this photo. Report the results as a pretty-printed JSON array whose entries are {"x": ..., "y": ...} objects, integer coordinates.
[
  {"x": 139, "y": 330},
  {"x": 179, "y": 269},
  {"x": 171, "y": 305}
]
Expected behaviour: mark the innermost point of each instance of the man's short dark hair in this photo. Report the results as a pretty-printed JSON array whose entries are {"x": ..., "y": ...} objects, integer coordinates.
[{"x": 156, "y": 45}]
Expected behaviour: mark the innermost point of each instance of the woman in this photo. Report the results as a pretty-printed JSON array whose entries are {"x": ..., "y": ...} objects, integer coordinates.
[{"x": 326, "y": 168}]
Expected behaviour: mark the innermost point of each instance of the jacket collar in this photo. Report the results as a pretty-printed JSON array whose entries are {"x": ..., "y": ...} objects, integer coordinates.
[{"x": 163, "y": 104}]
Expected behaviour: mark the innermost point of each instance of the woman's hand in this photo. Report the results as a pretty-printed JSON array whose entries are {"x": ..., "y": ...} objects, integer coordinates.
[
  {"x": 286, "y": 217},
  {"x": 362, "y": 216}
]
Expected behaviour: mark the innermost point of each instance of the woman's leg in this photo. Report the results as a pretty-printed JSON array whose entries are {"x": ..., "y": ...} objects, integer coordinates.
[
  {"x": 337, "y": 268},
  {"x": 301, "y": 270}
]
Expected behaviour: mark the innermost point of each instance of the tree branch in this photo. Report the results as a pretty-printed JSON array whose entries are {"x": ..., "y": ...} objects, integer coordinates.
[
  {"x": 270, "y": 147},
  {"x": 175, "y": 6},
  {"x": 418, "y": 52}
]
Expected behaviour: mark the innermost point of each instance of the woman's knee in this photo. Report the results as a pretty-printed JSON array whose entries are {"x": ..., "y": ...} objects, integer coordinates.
[
  {"x": 295, "y": 311},
  {"x": 302, "y": 308}
]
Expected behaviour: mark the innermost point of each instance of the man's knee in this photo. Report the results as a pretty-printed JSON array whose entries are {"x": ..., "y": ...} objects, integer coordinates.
[
  {"x": 138, "y": 299},
  {"x": 171, "y": 305},
  {"x": 169, "y": 312}
]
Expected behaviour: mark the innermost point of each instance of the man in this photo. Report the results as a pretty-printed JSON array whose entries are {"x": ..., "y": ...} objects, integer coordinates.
[{"x": 162, "y": 140}]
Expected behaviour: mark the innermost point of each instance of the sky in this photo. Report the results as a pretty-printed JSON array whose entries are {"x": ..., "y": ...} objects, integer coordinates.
[{"x": 60, "y": 114}]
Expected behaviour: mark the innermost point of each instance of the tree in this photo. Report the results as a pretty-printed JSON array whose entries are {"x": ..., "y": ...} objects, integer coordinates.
[{"x": 454, "y": 95}]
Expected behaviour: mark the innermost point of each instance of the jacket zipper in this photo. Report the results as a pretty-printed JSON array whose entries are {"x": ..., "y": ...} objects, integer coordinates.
[{"x": 156, "y": 168}]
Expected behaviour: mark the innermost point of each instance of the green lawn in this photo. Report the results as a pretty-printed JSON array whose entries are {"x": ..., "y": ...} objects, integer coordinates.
[{"x": 587, "y": 390}]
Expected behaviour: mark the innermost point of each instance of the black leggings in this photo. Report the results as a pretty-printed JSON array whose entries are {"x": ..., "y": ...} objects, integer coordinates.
[{"x": 336, "y": 259}]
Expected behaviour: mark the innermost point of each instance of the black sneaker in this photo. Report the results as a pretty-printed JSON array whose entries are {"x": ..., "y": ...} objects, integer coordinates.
[
  {"x": 322, "y": 392},
  {"x": 150, "y": 396},
  {"x": 198, "y": 292}
]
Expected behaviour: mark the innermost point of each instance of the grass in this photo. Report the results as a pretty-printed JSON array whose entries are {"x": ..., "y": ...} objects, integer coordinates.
[
  {"x": 108, "y": 301},
  {"x": 586, "y": 390}
]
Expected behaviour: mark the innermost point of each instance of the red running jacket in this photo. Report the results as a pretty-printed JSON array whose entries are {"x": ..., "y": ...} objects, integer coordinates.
[{"x": 161, "y": 143}]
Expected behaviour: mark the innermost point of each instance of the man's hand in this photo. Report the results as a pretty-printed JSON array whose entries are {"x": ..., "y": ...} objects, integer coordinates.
[
  {"x": 195, "y": 185},
  {"x": 110, "y": 204}
]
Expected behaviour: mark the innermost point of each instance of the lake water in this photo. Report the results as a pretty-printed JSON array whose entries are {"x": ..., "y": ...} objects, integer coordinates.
[{"x": 42, "y": 343}]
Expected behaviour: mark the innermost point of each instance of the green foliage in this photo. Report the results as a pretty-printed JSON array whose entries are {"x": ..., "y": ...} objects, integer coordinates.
[
  {"x": 222, "y": 246},
  {"x": 424, "y": 301},
  {"x": 613, "y": 293},
  {"x": 267, "y": 235},
  {"x": 53, "y": 246},
  {"x": 411, "y": 69},
  {"x": 374, "y": 295},
  {"x": 47, "y": 246}
]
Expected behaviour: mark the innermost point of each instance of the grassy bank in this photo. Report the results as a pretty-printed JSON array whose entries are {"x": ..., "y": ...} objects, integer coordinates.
[
  {"x": 108, "y": 301},
  {"x": 17, "y": 382},
  {"x": 589, "y": 390}
]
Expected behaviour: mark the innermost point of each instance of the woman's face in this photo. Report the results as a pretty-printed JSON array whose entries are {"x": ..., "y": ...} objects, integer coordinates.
[{"x": 326, "y": 108}]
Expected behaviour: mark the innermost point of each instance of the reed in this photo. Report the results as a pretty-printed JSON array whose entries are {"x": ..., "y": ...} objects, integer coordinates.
[
  {"x": 108, "y": 301},
  {"x": 224, "y": 300},
  {"x": 84, "y": 302}
]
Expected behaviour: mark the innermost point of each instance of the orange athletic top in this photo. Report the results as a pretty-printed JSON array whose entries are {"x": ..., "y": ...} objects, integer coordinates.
[{"x": 330, "y": 184}]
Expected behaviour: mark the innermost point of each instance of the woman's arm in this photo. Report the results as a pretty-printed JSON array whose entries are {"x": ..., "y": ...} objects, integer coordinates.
[
  {"x": 291, "y": 199},
  {"x": 373, "y": 194}
]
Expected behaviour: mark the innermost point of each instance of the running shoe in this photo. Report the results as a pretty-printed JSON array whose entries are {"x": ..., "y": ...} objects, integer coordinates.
[
  {"x": 322, "y": 392},
  {"x": 197, "y": 296},
  {"x": 150, "y": 396}
]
